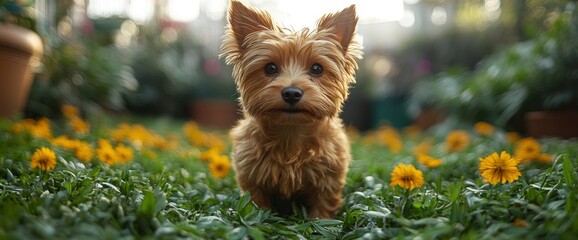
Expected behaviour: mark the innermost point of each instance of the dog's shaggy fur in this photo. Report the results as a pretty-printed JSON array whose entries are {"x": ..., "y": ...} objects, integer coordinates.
[{"x": 291, "y": 147}]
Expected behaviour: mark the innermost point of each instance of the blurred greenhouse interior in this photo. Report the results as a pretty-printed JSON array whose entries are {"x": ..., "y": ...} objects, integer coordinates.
[{"x": 452, "y": 62}]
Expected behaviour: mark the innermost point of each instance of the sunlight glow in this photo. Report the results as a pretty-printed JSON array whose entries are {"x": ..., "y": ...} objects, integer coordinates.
[
  {"x": 140, "y": 11},
  {"x": 304, "y": 13},
  {"x": 183, "y": 10},
  {"x": 439, "y": 16},
  {"x": 408, "y": 19}
]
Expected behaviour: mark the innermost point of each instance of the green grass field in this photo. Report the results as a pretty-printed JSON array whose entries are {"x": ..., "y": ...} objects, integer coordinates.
[{"x": 167, "y": 188}]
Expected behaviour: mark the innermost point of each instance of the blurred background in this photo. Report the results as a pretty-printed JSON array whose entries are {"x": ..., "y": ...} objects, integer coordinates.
[{"x": 425, "y": 61}]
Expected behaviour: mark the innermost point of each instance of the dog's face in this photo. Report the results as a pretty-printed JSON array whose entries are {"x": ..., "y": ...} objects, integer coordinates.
[{"x": 289, "y": 77}]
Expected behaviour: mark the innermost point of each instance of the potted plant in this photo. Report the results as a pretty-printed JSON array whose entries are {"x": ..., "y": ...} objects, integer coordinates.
[
  {"x": 212, "y": 103},
  {"x": 510, "y": 86},
  {"x": 20, "y": 51},
  {"x": 176, "y": 77},
  {"x": 558, "y": 113}
]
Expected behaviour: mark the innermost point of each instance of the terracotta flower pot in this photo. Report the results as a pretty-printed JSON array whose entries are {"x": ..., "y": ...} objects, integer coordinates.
[
  {"x": 563, "y": 124},
  {"x": 428, "y": 118},
  {"x": 20, "y": 50},
  {"x": 215, "y": 113}
]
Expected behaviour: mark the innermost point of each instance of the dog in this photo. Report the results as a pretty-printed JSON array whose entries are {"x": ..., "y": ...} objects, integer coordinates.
[{"x": 290, "y": 147}]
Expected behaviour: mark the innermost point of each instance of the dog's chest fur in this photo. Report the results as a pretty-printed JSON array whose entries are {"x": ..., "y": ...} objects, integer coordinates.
[{"x": 290, "y": 163}]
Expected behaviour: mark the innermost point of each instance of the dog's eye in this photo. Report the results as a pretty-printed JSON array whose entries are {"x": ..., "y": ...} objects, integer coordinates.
[
  {"x": 271, "y": 69},
  {"x": 316, "y": 70}
]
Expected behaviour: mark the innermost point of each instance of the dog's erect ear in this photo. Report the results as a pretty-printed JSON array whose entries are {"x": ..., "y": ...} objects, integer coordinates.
[
  {"x": 244, "y": 20},
  {"x": 341, "y": 24}
]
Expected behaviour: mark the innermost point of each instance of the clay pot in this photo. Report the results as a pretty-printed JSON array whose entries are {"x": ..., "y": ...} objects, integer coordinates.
[
  {"x": 428, "y": 118},
  {"x": 20, "y": 52},
  {"x": 214, "y": 113},
  {"x": 562, "y": 124}
]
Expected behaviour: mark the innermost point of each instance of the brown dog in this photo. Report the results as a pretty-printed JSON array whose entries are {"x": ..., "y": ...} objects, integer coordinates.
[{"x": 291, "y": 147}]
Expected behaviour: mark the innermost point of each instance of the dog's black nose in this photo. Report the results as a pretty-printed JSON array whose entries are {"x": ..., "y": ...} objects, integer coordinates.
[{"x": 292, "y": 95}]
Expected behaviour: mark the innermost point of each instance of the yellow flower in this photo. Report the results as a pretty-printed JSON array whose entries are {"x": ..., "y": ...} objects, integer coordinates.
[
  {"x": 214, "y": 141},
  {"x": 457, "y": 141},
  {"x": 42, "y": 129},
  {"x": 120, "y": 133},
  {"x": 140, "y": 137},
  {"x": 545, "y": 158},
  {"x": 406, "y": 176},
  {"x": 484, "y": 128},
  {"x": 423, "y": 148},
  {"x": 502, "y": 168},
  {"x": 193, "y": 133},
  {"x": 512, "y": 137},
  {"x": 103, "y": 143},
  {"x": 429, "y": 161},
  {"x": 84, "y": 152},
  {"x": 199, "y": 138},
  {"x": 69, "y": 111},
  {"x": 209, "y": 155},
  {"x": 44, "y": 158},
  {"x": 124, "y": 153},
  {"x": 64, "y": 142},
  {"x": 79, "y": 126},
  {"x": 106, "y": 153},
  {"x": 220, "y": 166},
  {"x": 390, "y": 137},
  {"x": 39, "y": 128},
  {"x": 527, "y": 149}
]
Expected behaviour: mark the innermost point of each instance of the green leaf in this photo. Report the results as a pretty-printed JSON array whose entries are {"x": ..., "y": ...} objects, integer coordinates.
[
  {"x": 375, "y": 214},
  {"x": 255, "y": 233},
  {"x": 328, "y": 222},
  {"x": 152, "y": 203},
  {"x": 568, "y": 171},
  {"x": 244, "y": 206},
  {"x": 147, "y": 206}
]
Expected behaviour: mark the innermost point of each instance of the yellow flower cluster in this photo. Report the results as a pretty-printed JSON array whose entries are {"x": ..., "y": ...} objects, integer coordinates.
[
  {"x": 122, "y": 142},
  {"x": 219, "y": 164},
  {"x": 37, "y": 128},
  {"x": 494, "y": 168},
  {"x": 113, "y": 155},
  {"x": 429, "y": 161},
  {"x": 199, "y": 138},
  {"x": 79, "y": 125},
  {"x": 83, "y": 150},
  {"x": 139, "y": 137},
  {"x": 422, "y": 154}
]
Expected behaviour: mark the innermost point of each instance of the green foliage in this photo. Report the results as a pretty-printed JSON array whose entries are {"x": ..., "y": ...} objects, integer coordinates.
[
  {"x": 528, "y": 76},
  {"x": 171, "y": 72},
  {"x": 19, "y": 13},
  {"x": 88, "y": 76},
  {"x": 173, "y": 196}
]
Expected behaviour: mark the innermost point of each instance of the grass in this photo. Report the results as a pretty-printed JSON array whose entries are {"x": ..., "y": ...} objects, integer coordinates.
[{"x": 169, "y": 193}]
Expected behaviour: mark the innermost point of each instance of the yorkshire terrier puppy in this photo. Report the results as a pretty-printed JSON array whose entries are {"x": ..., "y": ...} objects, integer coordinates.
[{"x": 290, "y": 147}]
